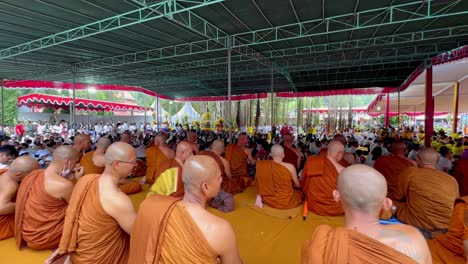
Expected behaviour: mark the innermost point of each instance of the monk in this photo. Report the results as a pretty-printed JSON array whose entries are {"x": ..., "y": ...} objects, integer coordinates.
[
  {"x": 217, "y": 149},
  {"x": 42, "y": 200},
  {"x": 169, "y": 173},
  {"x": 291, "y": 155},
  {"x": 460, "y": 172},
  {"x": 391, "y": 167},
  {"x": 239, "y": 156},
  {"x": 319, "y": 180},
  {"x": 126, "y": 137},
  {"x": 342, "y": 140},
  {"x": 452, "y": 246},
  {"x": 81, "y": 142},
  {"x": 168, "y": 230},
  {"x": 9, "y": 182},
  {"x": 155, "y": 155},
  {"x": 362, "y": 193},
  {"x": 100, "y": 216},
  {"x": 425, "y": 195},
  {"x": 93, "y": 162},
  {"x": 275, "y": 180},
  {"x": 192, "y": 139}
]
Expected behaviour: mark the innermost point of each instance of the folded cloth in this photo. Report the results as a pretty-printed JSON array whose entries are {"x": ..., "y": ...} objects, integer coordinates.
[{"x": 223, "y": 201}]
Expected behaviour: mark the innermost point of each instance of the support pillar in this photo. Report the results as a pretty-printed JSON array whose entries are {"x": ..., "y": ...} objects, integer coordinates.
[
  {"x": 387, "y": 111},
  {"x": 229, "y": 116},
  {"x": 73, "y": 106},
  {"x": 456, "y": 99},
  {"x": 157, "y": 108},
  {"x": 429, "y": 109},
  {"x": 3, "y": 107},
  {"x": 298, "y": 112},
  {"x": 272, "y": 116}
]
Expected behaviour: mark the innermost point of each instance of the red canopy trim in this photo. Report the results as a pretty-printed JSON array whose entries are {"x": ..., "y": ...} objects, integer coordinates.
[
  {"x": 37, "y": 84},
  {"x": 324, "y": 110},
  {"x": 352, "y": 91},
  {"x": 407, "y": 113},
  {"x": 223, "y": 98},
  {"x": 57, "y": 102}
]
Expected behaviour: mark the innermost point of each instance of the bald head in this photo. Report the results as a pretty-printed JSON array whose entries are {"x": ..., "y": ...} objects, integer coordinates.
[
  {"x": 217, "y": 146},
  {"x": 198, "y": 170},
  {"x": 398, "y": 148},
  {"x": 277, "y": 152},
  {"x": 334, "y": 148},
  {"x": 160, "y": 139},
  {"x": 80, "y": 138},
  {"x": 65, "y": 153},
  {"x": 126, "y": 137},
  {"x": 362, "y": 188},
  {"x": 183, "y": 151},
  {"x": 23, "y": 165},
  {"x": 103, "y": 142},
  {"x": 119, "y": 151},
  {"x": 428, "y": 156},
  {"x": 340, "y": 138},
  {"x": 288, "y": 139}
]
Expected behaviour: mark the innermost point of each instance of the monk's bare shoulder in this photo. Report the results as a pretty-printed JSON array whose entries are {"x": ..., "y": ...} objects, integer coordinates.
[
  {"x": 407, "y": 240},
  {"x": 289, "y": 166}
]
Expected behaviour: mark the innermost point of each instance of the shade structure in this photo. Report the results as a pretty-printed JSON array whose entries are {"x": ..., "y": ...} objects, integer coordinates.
[
  {"x": 326, "y": 110},
  {"x": 186, "y": 111},
  {"x": 63, "y": 102}
]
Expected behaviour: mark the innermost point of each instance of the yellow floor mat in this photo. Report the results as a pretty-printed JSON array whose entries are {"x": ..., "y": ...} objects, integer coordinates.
[{"x": 261, "y": 238}]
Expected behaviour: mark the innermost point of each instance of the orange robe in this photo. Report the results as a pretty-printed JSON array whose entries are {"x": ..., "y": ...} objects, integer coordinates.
[
  {"x": 7, "y": 222},
  {"x": 164, "y": 232},
  {"x": 319, "y": 179},
  {"x": 391, "y": 167},
  {"x": 424, "y": 198},
  {"x": 340, "y": 245},
  {"x": 154, "y": 157},
  {"x": 227, "y": 185},
  {"x": 88, "y": 164},
  {"x": 90, "y": 235},
  {"x": 290, "y": 156},
  {"x": 168, "y": 164},
  {"x": 448, "y": 248},
  {"x": 323, "y": 152},
  {"x": 274, "y": 184},
  {"x": 238, "y": 163},
  {"x": 460, "y": 173},
  {"x": 39, "y": 216}
]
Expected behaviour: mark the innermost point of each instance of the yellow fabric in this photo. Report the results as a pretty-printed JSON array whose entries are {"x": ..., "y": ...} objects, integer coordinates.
[
  {"x": 261, "y": 239},
  {"x": 166, "y": 183},
  {"x": 278, "y": 213}
]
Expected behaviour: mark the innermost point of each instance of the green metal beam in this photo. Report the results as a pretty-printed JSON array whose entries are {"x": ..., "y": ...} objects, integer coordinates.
[{"x": 165, "y": 8}]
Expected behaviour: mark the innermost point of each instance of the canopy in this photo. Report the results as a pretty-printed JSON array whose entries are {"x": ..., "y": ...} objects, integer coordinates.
[
  {"x": 63, "y": 102},
  {"x": 188, "y": 111},
  {"x": 326, "y": 110}
]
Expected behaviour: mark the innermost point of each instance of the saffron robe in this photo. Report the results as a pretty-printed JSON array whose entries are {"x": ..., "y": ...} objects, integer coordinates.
[
  {"x": 88, "y": 164},
  {"x": 391, "y": 167},
  {"x": 460, "y": 173},
  {"x": 448, "y": 248},
  {"x": 39, "y": 216},
  {"x": 154, "y": 158},
  {"x": 424, "y": 198},
  {"x": 339, "y": 245},
  {"x": 164, "y": 232},
  {"x": 227, "y": 185},
  {"x": 169, "y": 179},
  {"x": 274, "y": 184},
  {"x": 238, "y": 163},
  {"x": 319, "y": 179},
  {"x": 90, "y": 235},
  {"x": 290, "y": 156}
]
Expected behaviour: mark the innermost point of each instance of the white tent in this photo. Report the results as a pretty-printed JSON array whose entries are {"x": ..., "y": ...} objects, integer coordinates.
[
  {"x": 186, "y": 110},
  {"x": 160, "y": 110}
]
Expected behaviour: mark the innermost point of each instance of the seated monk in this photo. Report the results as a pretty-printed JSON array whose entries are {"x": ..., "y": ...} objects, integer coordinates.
[
  {"x": 100, "y": 216},
  {"x": 391, "y": 167},
  {"x": 291, "y": 155},
  {"x": 341, "y": 139},
  {"x": 168, "y": 230},
  {"x": 42, "y": 200},
  {"x": 238, "y": 156},
  {"x": 275, "y": 180},
  {"x": 319, "y": 180},
  {"x": 452, "y": 246},
  {"x": 192, "y": 139},
  {"x": 169, "y": 173},
  {"x": 362, "y": 194},
  {"x": 460, "y": 172},
  {"x": 93, "y": 162},
  {"x": 155, "y": 155},
  {"x": 425, "y": 195},
  {"x": 9, "y": 182},
  {"x": 81, "y": 142}
]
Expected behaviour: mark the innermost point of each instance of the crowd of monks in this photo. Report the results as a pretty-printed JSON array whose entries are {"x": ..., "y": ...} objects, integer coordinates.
[{"x": 79, "y": 205}]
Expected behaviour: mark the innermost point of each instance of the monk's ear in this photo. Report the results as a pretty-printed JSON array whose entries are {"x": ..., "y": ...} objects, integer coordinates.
[
  {"x": 387, "y": 204},
  {"x": 336, "y": 196}
]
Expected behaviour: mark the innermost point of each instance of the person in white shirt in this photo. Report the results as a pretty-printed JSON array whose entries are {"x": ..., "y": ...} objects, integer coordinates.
[
  {"x": 414, "y": 152},
  {"x": 445, "y": 161}
]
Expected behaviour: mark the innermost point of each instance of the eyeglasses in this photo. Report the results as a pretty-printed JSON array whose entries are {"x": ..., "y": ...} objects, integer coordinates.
[{"x": 129, "y": 162}]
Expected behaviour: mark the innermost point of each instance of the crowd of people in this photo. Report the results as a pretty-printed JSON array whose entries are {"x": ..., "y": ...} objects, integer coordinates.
[{"x": 68, "y": 192}]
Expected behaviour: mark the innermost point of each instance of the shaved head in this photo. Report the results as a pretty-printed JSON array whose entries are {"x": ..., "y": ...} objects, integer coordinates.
[
  {"x": 277, "y": 151},
  {"x": 80, "y": 138},
  {"x": 362, "y": 188},
  {"x": 288, "y": 139},
  {"x": 334, "y": 147},
  {"x": 119, "y": 151},
  {"x": 126, "y": 137},
  {"x": 398, "y": 148},
  {"x": 24, "y": 164},
  {"x": 103, "y": 142},
  {"x": 65, "y": 153},
  {"x": 340, "y": 138},
  {"x": 183, "y": 146},
  {"x": 160, "y": 139},
  {"x": 217, "y": 146},
  {"x": 198, "y": 170},
  {"x": 429, "y": 156}
]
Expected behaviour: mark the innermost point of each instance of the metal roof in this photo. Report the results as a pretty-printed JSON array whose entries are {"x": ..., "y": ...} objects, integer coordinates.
[{"x": 180, "y": 48}]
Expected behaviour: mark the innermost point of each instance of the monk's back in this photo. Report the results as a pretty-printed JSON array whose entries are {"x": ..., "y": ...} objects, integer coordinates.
[{"x": 391, "y": 167}]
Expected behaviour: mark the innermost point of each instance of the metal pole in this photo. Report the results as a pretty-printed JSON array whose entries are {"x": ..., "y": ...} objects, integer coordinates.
[
  {"x": 229, "y": 89},
  {"x": 272, "y": 100},
  {"x": 429, "y": 109},
  {"x": 144, "y": 106},
  {"x": 74, "y": 101},
  {"x": 297, "y": 115},
  {"x": 87, "y": 108},
  {"x": 157, "y": 108},
  {"x": 456, "y": 99},
  {"x": 3, "y": 108}
]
